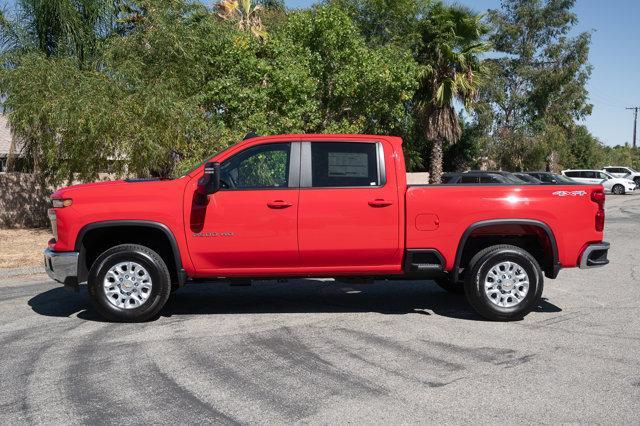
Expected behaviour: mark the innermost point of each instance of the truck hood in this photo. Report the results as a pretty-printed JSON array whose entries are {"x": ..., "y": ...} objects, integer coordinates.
[{"x": 117, "y": 186}]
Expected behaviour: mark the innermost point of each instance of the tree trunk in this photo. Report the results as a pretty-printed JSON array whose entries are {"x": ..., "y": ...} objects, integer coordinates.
[
  {"x": 435, "y": 171},
  {"x": 11, "y": 160},
  {"x": 552, "y": 161}
]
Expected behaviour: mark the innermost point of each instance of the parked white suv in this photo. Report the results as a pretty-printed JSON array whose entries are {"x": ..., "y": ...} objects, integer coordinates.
[
  {"x": 615, "y": 185},
  {"x": 625, "y": 172}
]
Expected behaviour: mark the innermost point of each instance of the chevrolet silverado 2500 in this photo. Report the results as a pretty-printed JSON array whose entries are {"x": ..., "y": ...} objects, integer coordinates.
[{"x": 319, "y": 206}]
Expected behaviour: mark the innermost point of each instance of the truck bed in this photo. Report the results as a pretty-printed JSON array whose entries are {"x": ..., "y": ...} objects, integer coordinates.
[{"x": 437, "y": 216}]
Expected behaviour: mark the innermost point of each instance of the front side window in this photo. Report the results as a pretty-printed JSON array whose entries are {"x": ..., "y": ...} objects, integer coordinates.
[
  {"x": 258, "y": 167},
  {"x": 344, "y": 164}
]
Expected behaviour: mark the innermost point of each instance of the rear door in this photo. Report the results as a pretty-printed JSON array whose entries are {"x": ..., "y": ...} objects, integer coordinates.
[
  {"x": 578, "y": 176},
  {"x": 591, "y": 176},
  {"x": 349, "y": 207}
]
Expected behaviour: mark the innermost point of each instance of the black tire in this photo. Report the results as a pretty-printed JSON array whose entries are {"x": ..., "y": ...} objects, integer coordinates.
[
  {"x": 481, "y": 264},
  {"x": 157, "y": 270},
  {"x": 448, "y": 285},
  {"x": 618, "y": 189}
]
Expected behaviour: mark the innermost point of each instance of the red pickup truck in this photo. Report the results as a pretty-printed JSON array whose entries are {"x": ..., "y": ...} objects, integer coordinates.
[{"x": 319, "y": 206}]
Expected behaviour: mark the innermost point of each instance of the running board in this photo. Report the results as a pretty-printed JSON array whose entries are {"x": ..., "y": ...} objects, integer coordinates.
[
  {"x": 423, "y": 262},
  {"x": 426, "y": 267}
]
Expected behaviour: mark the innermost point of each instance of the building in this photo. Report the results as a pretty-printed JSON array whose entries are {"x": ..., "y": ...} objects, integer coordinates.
[{"x": 5, "y": 146}]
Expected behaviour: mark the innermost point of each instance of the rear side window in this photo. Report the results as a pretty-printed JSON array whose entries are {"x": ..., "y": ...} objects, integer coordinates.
[
  {"x": 572, "y": 174},
  {"x": 344, "y": 164}
]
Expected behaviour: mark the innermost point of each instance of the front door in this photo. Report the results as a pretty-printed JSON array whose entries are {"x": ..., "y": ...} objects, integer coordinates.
[
  {"x": 349, "y": 208},
  {"x": 249, "y": 227}
]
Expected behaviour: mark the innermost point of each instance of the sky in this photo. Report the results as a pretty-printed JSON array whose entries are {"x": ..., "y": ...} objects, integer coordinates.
[{"x": 614, "y": 55}]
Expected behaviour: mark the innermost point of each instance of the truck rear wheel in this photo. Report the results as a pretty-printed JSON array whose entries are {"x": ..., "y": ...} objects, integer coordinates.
[
  {"x": 504, "y": 283},
  {"x": 129, "y": 283}
]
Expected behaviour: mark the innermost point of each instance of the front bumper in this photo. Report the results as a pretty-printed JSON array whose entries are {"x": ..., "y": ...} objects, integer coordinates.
[
  {"x": 62, "y": 267},
  {"x": 595, "y": 255}
]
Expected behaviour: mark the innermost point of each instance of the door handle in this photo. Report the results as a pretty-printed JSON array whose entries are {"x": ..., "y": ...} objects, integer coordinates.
[
  {"x": 379, "y": 202},
  {"x": 279, "y": 204}
]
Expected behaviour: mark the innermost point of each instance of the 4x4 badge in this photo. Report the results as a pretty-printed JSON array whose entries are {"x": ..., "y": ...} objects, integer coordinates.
[{"x": 569, "y": 193}]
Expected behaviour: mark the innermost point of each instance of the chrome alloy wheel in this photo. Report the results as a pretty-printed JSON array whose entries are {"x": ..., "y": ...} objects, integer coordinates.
[
  {"x": 506, "y": 284},
  {"x": 127, "y": 285}
]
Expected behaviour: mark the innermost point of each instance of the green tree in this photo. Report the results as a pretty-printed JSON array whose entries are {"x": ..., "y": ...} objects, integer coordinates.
[
  {"x": 176, "y": 83},
  {"x": 385, "y": 22},
  {"x": 360, "y": 88},
  {"x": 538, "y": 82},
  {"x": 55, "y": 29},
  {"x": 452, "y": 40}
]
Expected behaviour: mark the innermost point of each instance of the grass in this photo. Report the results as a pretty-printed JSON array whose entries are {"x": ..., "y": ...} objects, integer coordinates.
[{"x": 22, "y": 247}]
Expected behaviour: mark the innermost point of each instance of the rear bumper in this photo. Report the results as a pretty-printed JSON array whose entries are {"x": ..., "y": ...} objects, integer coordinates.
[
  {"x": 62, "y": 267},
  {"x": 595, "y": 255}
]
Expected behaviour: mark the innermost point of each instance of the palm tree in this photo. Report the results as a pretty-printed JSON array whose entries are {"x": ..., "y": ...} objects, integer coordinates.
[
  {"x": 452, "y": 41},
  {"x": 245, "y": 14}
]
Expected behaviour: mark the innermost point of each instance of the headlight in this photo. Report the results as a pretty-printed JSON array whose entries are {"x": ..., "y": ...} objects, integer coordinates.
[
  {"x": 54, "y": 223},
  {"x": 61, "y": 202}
]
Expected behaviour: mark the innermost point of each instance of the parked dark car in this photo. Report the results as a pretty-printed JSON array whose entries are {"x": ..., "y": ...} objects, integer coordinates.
[
  {"x": 527, "y": 178},
  {"x": 507, "y": 176},
  {"x": 474, "y": 176},
  {"x": 551, "y": 178}
]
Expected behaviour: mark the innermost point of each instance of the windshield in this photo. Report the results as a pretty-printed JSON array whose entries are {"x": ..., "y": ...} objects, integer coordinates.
[
  {"x": 511, "y": 178},
  {"x": 527, "y": 178},
  {"x": 562, "y": 179},
  {"x": 608, "y": 176},
  {"x": 210, "y": 157}
]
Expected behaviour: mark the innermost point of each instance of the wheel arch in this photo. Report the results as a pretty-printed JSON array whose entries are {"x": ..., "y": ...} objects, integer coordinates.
[
  {"x": 507, "y": 227},
  {"x": 170, "y": 252}
]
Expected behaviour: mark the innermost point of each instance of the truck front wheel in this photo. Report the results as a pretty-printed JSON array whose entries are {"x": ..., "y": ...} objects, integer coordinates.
[
  {"x": 129, "y": 283},
  {"x": 504, "y": 283}
]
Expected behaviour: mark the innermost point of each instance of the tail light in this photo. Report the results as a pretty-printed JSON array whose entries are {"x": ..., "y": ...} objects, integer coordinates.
[{"x": 597, "y": 196}]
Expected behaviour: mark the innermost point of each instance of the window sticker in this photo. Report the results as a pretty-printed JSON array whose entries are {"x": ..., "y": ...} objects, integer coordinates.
[{"x": 348, "y": 164}]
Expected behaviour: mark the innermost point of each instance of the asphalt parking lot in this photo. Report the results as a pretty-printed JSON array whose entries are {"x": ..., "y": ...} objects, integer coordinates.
[{"x": 317, "y": 351}]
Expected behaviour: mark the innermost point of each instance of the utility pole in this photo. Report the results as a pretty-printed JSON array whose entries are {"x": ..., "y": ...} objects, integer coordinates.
[{"x": 635, "y": 122}]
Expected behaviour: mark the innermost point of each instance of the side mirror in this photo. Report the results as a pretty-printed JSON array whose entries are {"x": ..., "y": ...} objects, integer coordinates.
[{"x": 209, "y": 183}]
